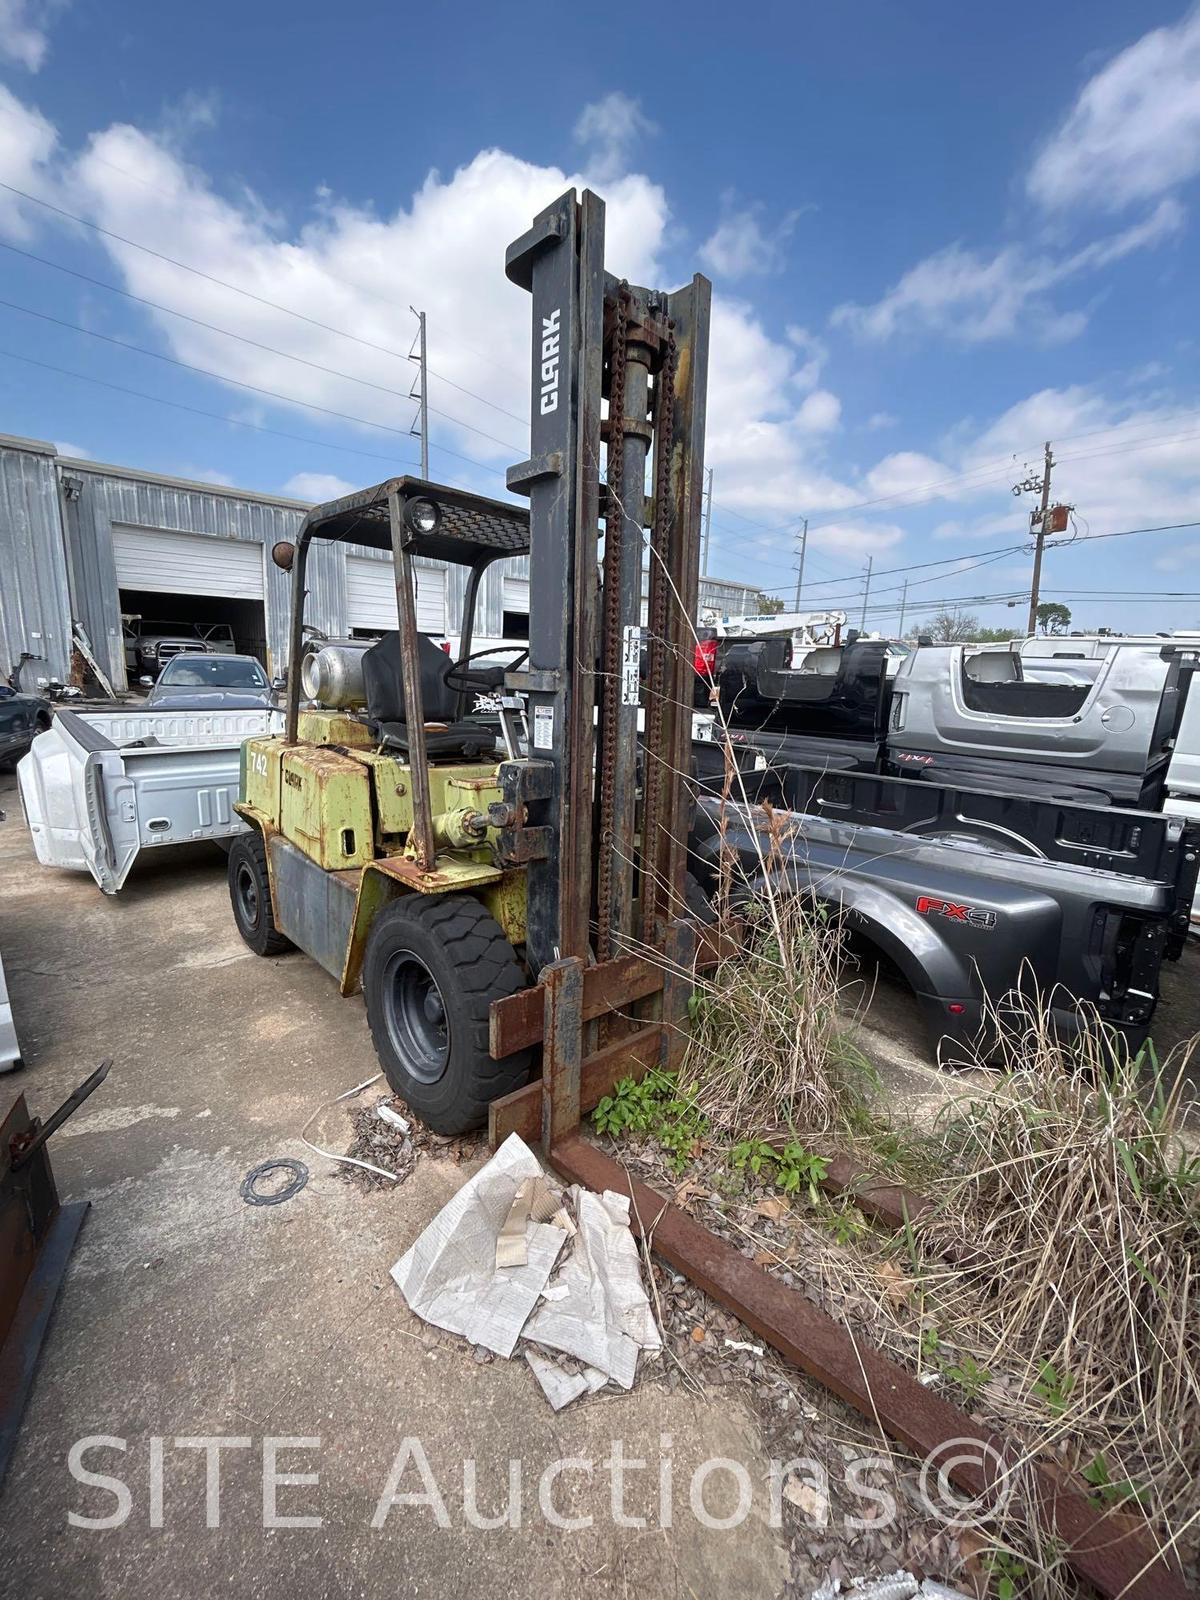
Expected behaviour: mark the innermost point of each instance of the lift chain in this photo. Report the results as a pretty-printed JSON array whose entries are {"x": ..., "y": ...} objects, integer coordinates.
[
  {"x": 610, "y": 661},
  {"x": 656, "y": 771}
]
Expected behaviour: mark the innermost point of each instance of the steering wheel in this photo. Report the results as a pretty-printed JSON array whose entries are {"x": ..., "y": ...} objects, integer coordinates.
[{"x": 458, "y": 678}]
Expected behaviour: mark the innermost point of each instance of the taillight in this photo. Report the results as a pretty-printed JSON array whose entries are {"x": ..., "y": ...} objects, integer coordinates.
[{"x": 704, "y": 661}]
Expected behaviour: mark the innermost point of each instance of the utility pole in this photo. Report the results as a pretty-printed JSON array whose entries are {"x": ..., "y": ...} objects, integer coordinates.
[
  {"x": 1040, "y": 542},
  {"x": 862, "y": 627},
  {"x": 707, "y": 527},
  {"x": 424, "y": 412},
  {"x": 800, "y": 568},
  {"x": 903, "y": 607}
]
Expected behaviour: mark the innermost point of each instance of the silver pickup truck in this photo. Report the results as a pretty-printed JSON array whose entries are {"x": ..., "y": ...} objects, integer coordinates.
[{"x": 101, "y": 786}]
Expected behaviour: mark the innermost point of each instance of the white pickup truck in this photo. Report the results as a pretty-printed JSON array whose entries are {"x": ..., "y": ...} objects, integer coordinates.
[{"x": 102, "y": 785}]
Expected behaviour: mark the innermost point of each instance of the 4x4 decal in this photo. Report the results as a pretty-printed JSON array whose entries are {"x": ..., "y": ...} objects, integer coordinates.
[{"x": 976, "y": 916}]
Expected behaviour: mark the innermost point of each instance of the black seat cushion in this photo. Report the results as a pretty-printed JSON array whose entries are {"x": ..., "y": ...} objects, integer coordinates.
[
  {"x": 384, "y": 682},
  {"x": 468, "y": 739}
]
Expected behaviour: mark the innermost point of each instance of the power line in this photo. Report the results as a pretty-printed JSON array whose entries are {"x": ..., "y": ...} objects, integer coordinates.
[
  {"x": 1005, "y": 550},
  {"x": 998, "y": 468},
  {"x": 221, "y": 377},
  {"x": 249, "y": 294},
  {"x": 257, "y": 344},
  {"x": 198, "y": 411}
]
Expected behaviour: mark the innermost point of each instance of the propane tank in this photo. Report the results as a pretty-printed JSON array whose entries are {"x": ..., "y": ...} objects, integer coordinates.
[{"x": 333, "y": 676}]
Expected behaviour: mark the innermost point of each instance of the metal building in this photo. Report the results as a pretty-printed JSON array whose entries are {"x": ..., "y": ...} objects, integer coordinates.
[{"x": 93, "y": 545}]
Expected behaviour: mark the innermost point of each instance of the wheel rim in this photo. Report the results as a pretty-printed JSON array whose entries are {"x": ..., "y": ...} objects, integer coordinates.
[
  {"x": 416, "y": 1016},
  {"x": 247, "y": 894}
]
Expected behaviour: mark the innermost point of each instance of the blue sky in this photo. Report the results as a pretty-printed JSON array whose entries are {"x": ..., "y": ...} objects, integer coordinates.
[{"x": 937, "y": 237}]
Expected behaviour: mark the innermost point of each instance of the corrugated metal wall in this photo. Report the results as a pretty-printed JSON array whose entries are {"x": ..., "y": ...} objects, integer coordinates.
[
  {"x": 35, "y": 608},
  {"x": 56, "y": 557}
]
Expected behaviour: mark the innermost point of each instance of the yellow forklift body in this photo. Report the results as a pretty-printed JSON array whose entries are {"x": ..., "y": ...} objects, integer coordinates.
[
  {"x": 334, "y": 727},
  {"x": 325, "y": 806}
]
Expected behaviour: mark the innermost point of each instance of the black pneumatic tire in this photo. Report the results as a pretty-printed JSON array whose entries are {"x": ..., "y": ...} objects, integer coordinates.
[
  {"x": 433, "y": 967},
  {"x": 250, "y": 896}
]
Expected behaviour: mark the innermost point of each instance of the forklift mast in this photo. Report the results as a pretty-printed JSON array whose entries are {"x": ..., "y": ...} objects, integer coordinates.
[{"x": 599, "y": 815}]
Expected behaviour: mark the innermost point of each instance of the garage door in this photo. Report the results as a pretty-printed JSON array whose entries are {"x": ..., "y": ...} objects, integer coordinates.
[
  {"x": 187, "y": 563},
  {"x": 371, "y": 595},
  {"x": 516, "y": 594}
]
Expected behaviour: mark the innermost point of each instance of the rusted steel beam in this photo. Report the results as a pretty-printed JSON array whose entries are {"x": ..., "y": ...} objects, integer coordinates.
[
  {"x": 890, "y": 1203},
  {"x": 631, "y": 1057},
  {"x": 1100, "y": 1546}
]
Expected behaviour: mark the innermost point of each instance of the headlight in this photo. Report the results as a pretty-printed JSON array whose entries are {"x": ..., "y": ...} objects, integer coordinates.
[{"x": 422, "y": 516}]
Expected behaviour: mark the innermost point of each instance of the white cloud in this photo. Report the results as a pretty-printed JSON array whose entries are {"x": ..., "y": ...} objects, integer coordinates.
[
  {"x": 819, "y": 412},
  {"x": 27, "y": 144},
  {"x": 907, "y": 473},
  {"x": 358, "y": 270},
  {"x": 1183, "y": 558},
  {"x": 73, "y": 451},
  {"x": 744, "y": 244},
  {"x": 318, "y": 486},
  {"x": 1134, "y": 130},
  {"x": 856, "y": 540},
  {"x": 977, "y": 297},
  {"x": 609, "y": 130},
  {"x": 23, "y": 26},
  {"x": 813, "y": 350},
  {"x": 881, "y": 419}
]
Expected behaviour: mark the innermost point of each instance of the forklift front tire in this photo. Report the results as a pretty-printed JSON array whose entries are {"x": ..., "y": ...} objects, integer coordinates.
[
  {"x": 250, "y": 895},
  {"x": 432, "y": 968}
]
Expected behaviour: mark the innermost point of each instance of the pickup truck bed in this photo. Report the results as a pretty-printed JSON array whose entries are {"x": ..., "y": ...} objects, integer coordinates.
[
  {"x": 972, "y": 894},
  {"x": 101, "y": 786}
]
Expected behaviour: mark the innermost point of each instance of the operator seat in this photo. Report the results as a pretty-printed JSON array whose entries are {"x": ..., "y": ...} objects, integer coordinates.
[{"x": 384, "y": 684}]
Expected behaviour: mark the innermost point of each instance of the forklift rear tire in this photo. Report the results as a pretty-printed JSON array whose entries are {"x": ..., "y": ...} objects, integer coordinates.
[
  {"x": 433, "y": 967},
  {"x": 250, "y": 895}
]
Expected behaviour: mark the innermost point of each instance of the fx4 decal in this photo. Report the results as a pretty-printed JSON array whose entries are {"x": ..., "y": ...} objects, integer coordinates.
[{"x": 929, "y": 906}]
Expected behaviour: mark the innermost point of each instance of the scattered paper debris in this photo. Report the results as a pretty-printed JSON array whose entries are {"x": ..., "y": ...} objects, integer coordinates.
[
  {"x": 483, "y": 1268},
  {"x": 449, "y": 1276},
  {"x": 743, "y": 1344},
  {"x": 534, "y": 1199},
  {"x": 605, "y": 1319},
  {"x": 392, "y": 1117},
  {"x": 808, "y": 1498},
  {"x": 559, "y": 1386}
]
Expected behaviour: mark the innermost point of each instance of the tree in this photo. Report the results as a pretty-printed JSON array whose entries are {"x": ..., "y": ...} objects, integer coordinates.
[
  {"x": 996, "y": 635},
  {"x": 952, "y": 627},
  {"x": 1053, "y": 618},
  {"x": 769, "y": 605}
]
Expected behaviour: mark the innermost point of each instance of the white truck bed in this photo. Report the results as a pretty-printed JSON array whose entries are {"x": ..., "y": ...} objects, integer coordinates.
[{"x": 101, "y": 786}]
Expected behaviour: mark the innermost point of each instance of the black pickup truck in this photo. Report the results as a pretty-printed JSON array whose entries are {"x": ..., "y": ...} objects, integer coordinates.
[{"x": 970, "y": 894}]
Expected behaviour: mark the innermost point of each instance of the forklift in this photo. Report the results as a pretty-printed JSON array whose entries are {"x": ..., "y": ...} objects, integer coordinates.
[{"x": 392, "y": 839}]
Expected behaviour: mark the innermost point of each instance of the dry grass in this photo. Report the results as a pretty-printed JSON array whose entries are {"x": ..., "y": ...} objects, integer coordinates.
[
  {"x": 1069, "y": 1183},
  {"x": 768, "y": 1051}
]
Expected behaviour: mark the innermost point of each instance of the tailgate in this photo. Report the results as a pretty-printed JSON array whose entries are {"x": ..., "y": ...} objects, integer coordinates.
[
  {"x": 63, "y": 783},
  {"x": 93, "y": 806}
]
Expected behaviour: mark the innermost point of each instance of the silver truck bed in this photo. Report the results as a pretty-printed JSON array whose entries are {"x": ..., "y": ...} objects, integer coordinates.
[{"x": 101, "y": 786}]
